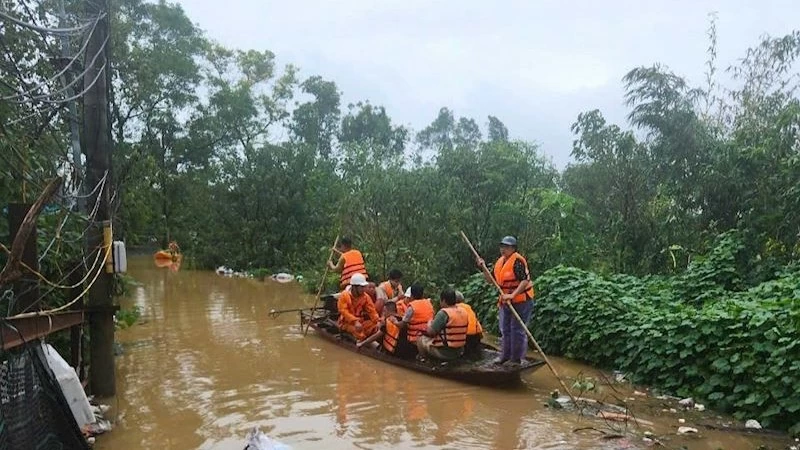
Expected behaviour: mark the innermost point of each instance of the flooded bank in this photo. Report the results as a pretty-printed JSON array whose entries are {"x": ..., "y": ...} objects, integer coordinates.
[{"x": 207, "y": 363}]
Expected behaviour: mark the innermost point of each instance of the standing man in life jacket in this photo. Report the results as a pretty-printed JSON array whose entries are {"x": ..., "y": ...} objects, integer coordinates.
[
  {"x": 350, "y": 262},
  {"x": 446, "y": 336},
  {"x": 474, "y": 328},
  {"x": 357, "y": 315},
  {"x": 419, "y": 311},
  {"x": 512, "y": 274}
]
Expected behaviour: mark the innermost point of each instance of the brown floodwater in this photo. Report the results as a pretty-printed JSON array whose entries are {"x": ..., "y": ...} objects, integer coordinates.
[{"x": 206, "y": 364}]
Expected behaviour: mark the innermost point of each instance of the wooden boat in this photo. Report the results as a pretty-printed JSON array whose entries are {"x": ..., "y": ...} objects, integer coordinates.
[
  {"x": 166, "y": 255},
  {"x": 476, "y": 370}
]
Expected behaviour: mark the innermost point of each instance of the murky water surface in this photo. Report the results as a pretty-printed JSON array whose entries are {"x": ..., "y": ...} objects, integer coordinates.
[{"x": 207, "y": 363}]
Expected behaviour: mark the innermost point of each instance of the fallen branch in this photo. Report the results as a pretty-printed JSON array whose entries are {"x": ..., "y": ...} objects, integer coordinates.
[
  {"x": 11, "y": 272},
  {"x": 605, "y": 434}
]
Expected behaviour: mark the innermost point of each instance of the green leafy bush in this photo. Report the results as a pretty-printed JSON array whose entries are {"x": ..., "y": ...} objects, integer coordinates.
[
  {"x": 128, "y": 317},
  {"x": 741, "y": 352}
]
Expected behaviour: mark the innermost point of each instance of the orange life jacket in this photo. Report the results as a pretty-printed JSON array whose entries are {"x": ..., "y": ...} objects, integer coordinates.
[
  {"x": 504, "y": 274},
  {"x": 391, "y": 334},
  {"x": 454, "y": 334},
  {"x": 473, "y": 324},
  {"x": 402, "y": 306},
  {"x": 357, "y": 306},
  {"x": 387, "y": 287},
  {"x": 423, "y": 313},
  {"x": 353, "y": 264}
]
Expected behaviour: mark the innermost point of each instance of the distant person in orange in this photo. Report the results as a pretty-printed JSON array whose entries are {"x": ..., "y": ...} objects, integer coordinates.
[
  {"x": 350, "y": 262},
  {"x": 357, "y": 314}
]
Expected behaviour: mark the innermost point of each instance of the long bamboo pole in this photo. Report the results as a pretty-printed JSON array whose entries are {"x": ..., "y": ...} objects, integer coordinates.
[
  {"x": 321, "y": 284},
  {"x": 519, "y": 319}
]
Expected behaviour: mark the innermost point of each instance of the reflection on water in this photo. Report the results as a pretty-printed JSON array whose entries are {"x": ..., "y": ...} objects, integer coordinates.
[{"x": 208, "y": 364}]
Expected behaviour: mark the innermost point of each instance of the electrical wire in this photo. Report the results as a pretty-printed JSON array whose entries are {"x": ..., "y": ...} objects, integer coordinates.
[
  {"x": 89, "y": 219},
  {"x": 86, "y": 69},
  {"x": 73, "y": 301},
  {"x": 69, "y": 209},
  {"x": 47, "y": 281},
  {"x": 58, "y": 31},
  {"x": 79, "y": 95},
  {"x": 60, "y": 73},
  {"x": 44, "y": 98}
]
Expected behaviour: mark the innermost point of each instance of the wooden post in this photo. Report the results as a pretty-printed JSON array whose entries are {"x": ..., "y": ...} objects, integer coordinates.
[
  {"x": 26, "y": 288},
  {"x": 76, "y": 332},
  {"x": 98, "y": 166}
]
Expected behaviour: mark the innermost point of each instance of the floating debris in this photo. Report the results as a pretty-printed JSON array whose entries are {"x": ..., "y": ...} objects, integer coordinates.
[
  {"x": 686, "y": 430},
  {"x": 700, "y": 407},
  {"x": 752, "y": 424},
  {"x": 687, "y": 402},
  {"x": 257, "y": 440},
  {"x": 282, "y": 277},
  {"x": 222, "y": 270}
]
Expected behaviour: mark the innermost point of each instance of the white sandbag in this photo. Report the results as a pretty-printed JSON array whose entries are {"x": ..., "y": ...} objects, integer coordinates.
[{"x": 70, "y": 386}]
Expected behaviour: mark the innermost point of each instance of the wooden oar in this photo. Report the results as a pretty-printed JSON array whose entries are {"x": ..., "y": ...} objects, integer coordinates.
[
  {"x": 275, "y": 313},
  {"x": 321, "y": 284},
  {"x": 519, "y": 319}
]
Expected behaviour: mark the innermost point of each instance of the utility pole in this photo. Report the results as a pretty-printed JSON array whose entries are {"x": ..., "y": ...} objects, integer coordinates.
[
  {"x": 102, "y": 380},
  {"x": 77, "y": 162}
]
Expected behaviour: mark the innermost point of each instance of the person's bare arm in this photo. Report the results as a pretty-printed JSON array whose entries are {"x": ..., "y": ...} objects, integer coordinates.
[
  {"x": 371, "y": 339},
  {"x": 339, "y": 266}
]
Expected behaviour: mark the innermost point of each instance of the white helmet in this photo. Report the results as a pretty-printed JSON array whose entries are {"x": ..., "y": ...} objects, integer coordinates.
[{"x": 358, "y": 280}]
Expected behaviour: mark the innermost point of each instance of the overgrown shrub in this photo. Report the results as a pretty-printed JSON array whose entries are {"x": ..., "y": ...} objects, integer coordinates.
[
  {"x": 128, "y": 317},
  {"x": 740, "y": 353}
]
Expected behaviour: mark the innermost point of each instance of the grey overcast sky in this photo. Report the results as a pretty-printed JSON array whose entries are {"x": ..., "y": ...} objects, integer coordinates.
[{"x": 533, "y": 64}]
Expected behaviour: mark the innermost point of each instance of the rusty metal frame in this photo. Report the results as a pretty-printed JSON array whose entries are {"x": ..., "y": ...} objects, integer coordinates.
[{"x": 31, "y": 328}]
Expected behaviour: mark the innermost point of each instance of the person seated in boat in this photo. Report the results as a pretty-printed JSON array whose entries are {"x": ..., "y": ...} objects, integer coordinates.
[
  {"x": 446, "y": 336},
  {"x": 474, "y": 328},
  {"x": 378, "y": 297},
  {"x": 394, "y": 337},
  {"x": 357, "y": 315},
  {"x": 418, "y": 313},
  {"x": 392, "y": 287},
  {"x": 389, "y": 311},
  {"x": 350, "y": 262},
  {"x": 403, "y": 301}
]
